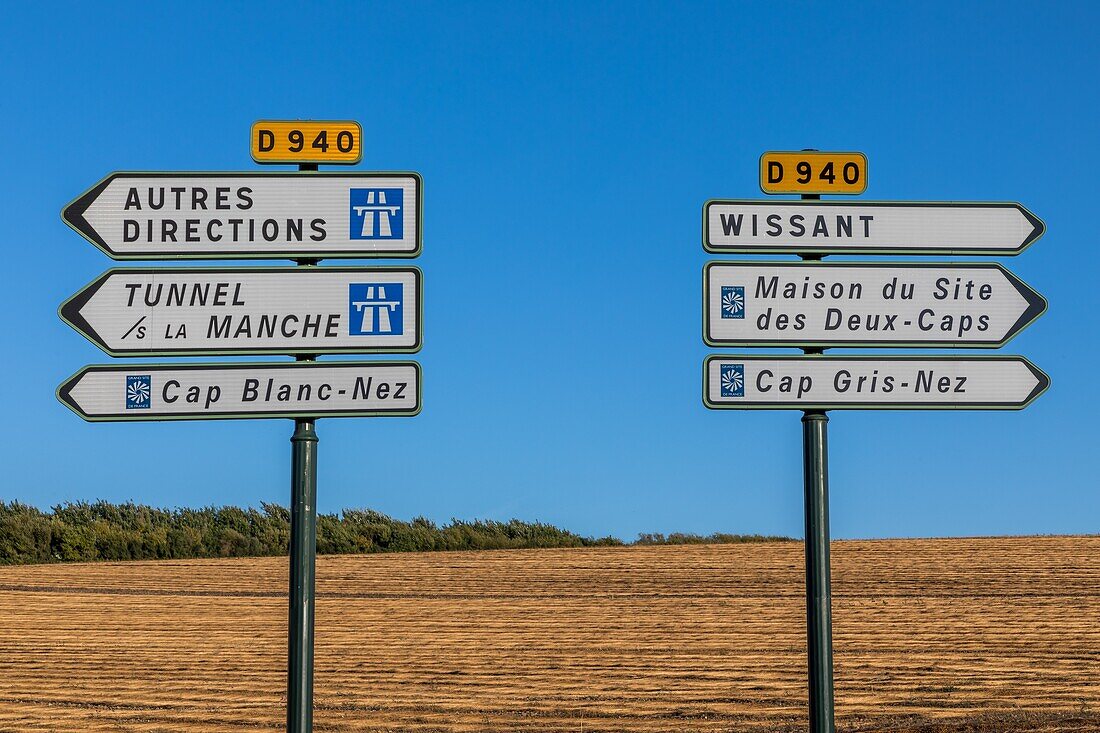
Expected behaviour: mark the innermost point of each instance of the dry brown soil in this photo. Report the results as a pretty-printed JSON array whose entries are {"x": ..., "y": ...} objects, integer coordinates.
[{"x": 930, "y": 635}]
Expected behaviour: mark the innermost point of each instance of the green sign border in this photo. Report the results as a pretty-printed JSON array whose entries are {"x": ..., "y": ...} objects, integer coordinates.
[
  {"x": 1039, "y": 228},
  {"x": 73, "y": 216},
  {"x": 64, "y": 390},
  {"x": 306, "y": 161},
  {"x": 1037, "y": 306},
  {"x": 69, "y": 312},
  {"x": 1044, "y": 382}
]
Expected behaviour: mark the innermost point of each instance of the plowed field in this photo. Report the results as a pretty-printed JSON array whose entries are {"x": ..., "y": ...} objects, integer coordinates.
[{"x": 930, "y": 635}]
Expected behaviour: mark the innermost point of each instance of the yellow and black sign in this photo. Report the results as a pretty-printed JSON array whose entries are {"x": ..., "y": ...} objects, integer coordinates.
[
  {"x": 307, "y": 141},
  {"x": 813, "y": 172}
]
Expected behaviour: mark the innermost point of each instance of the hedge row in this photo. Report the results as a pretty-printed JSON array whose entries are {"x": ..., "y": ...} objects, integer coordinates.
[{"x": 84, "y": 531}]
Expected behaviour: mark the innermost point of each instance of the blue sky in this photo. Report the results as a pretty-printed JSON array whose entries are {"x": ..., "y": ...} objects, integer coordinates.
[{"x": 566, "y": 151}]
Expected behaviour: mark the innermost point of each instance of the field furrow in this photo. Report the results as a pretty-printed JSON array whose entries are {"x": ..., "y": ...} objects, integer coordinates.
[{"x": 951, "y": 636}]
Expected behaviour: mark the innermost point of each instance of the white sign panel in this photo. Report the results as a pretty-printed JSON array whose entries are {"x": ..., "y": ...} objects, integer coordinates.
[
  {"x": 284, "y": 310},
  {"x": 848, "y": 304},
  {"x": 868, "y": 227},
  {"x": 251, "y": 215},
  {"x": 869, "y": 382},
  {"x": 256, "y": 390}
]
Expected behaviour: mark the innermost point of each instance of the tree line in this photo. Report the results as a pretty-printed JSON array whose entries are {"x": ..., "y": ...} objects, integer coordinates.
[{"x": 82, "y": 532}]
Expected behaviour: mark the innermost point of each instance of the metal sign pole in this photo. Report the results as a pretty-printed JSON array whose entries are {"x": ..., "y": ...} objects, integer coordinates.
[
  {"x": 303, "y": 546},
  {"x": 819, "y": 628},
  {"x": 303, "y": 557},
  {"x": 819, "y": 624}
]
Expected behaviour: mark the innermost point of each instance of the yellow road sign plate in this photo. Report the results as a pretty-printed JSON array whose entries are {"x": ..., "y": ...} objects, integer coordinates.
[
  {"x": 813, "y": 172},
  {"x": 307, "y": 141}
]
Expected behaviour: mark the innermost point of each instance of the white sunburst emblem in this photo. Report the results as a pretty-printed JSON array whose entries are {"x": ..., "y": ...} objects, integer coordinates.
[
  {"x": 733, "y": 380},
  {"x": 139, "y": 388},
  {"x": 733, "y": 301}
]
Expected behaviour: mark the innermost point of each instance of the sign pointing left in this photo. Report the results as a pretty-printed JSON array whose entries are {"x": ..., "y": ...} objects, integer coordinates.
[
  {"x": 141, "y": 216},
  {"x": 256, "y": 390},
  {"x": 182, "y": 311}
]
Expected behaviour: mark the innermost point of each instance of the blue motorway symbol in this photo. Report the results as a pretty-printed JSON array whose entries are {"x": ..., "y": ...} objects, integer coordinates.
[
  {"x": 733, "y": 301},
  {"x": 375, "y": 309},
  {"x": 733, "y": 380},
  {"x": 139, "y": 388},
  {"x": 376, "y": 213}
]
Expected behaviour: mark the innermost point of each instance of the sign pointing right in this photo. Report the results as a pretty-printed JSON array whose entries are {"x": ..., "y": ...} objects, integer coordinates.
[
  {"x": 864, "y": 304},
  {"x": 746, "y": 382},
  {"x": 868, "y": 227}
]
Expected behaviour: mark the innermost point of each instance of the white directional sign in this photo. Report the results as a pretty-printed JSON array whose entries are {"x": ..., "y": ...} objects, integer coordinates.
[
  {"x": 250, "y": 310},
  {"x": 225, "y": 391},
  {"x": 851, "y": 304},
  {"x": 868, "y": 227},
  {"x": 740, "y": 382},
  {"x": 251, "y": 215}
]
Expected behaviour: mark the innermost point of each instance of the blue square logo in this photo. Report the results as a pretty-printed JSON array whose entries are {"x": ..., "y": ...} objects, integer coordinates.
[
  {"x": 377, "y": 213},
  {"x": 733, "y": 380},
  {"x": 139, "y": 392},
  {"x": 375, "y": 309},
  {"x": 733, "y": 301}
]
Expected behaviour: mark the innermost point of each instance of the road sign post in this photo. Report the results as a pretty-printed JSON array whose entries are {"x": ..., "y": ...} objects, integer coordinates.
[
  {"x": 819, "y": 613},
  {"x": 814, "y": 306},
  {"x": 815, "y": 491},
  {"x": 303, "y": 558},
  {"x": 301, "y": 311},
  {"x": 303, "y": 561}
]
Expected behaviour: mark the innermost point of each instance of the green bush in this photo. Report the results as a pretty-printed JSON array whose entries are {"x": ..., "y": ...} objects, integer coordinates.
[
  {"x": 718, "y": 538},
  {"x": 26, "y": 534},
  {"x": 82, "y": 531},
  {"x": 77, "y": 544}
]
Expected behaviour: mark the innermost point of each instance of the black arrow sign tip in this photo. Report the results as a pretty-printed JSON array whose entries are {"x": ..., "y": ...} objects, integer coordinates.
[
  {"x": 1036, "y": 304},
  {"x": 65, "y": 393},
  {"x": 1038, "y": 227},
  {"x": 70, "y": 313},
  {"x": 73, "y": 213},
  {"x": 1042, "y": 381}
]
